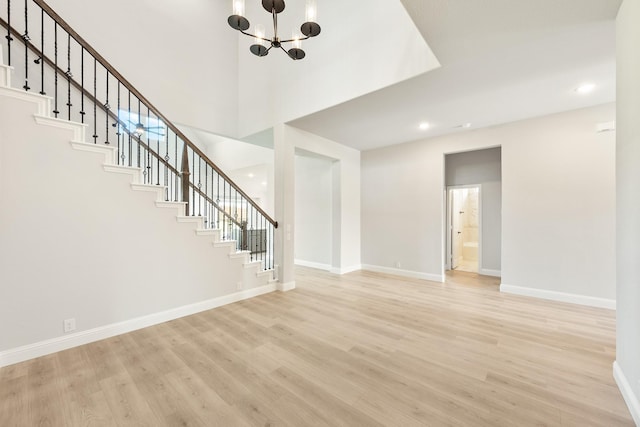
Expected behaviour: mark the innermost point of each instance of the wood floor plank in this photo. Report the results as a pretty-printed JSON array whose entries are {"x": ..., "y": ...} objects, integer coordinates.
[{"x": 362, "y": 349}]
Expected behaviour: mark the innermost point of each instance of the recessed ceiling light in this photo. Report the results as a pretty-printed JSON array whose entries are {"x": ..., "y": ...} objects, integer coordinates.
[
  {"x": 264, "y": 183},
  {"x": 424, "y": 126},
  {"x": 250, "y": 175},
  {"x": 585, "y": 88}
]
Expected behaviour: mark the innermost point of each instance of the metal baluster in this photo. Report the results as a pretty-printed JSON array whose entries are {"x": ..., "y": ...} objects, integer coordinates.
[
  {"x": 55, "y": 55},
  {"x": 186, "y": 179},
  {"x": 148, "y": 161},
  {"x": 129, "y": 131},
  {"x": 138, "y": 136},
  {"x": 143, "y": 165},
  {"x": 95, "y": 99},
  {"x": 218, "y": 202},
  {"x": 41, "y": 59},
  {"x": 69, "y": 75},
  {"x": 259, "y": 239},
  {"x": 107, "y": 107},
  {"x": 166, "y": 166},
  {"x": 176, "y": 162},
  {"x": 118, "y": 130},
  {"x": 193, "y": 190},
  {"x": 82, "y": 112},
  {"x": 199, "y": 185},
  {"x": 26, "y": 38},
  {"x": 245, "y": 227},
  {"x": 158, "y": 157},
  {"x": 8, "y": 36},
  {"x": 213, "y": 206},
  {"x": 206, "y": 191},
  {"x": 253, "y": 234},
  {"x": 145, "y": 159},
  {"x": 240, "y": 229}
]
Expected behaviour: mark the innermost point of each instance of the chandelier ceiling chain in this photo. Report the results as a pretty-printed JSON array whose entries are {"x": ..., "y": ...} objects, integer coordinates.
[{"x": 309, "y": 28}]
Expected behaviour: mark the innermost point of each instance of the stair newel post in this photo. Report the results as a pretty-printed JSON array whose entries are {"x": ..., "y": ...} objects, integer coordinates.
[{"x": 185, "y": 173}]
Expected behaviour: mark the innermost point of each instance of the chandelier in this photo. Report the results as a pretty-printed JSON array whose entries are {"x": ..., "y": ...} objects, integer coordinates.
[{"x": 262, "y": 44}]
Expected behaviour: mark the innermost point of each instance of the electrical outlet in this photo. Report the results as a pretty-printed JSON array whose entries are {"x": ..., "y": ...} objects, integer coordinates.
[
  {"x": 69, "y": 325},
  {"x": 239, "y": 286},
  {"x": 398, "y": 264}
]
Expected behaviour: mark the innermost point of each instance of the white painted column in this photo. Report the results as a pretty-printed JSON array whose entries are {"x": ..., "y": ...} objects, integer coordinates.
[
  {"x": 284, "y": 171},
  {"x": 627, "y": 366}
]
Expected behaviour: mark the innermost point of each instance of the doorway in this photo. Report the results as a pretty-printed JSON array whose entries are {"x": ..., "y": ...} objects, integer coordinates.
[{"x": 463, "y": 226}]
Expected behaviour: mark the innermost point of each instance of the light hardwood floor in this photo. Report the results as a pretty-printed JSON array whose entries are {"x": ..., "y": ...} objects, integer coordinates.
[{"x": 364, "y": 349}]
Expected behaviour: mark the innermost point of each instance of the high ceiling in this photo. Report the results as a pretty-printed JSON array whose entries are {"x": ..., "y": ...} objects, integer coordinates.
[
  {"x": 501, "y": 61},
  {"x": 373, "y": 75}
]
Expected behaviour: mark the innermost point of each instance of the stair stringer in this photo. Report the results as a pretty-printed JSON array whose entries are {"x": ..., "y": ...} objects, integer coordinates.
[{"x": 98, "y": 247}]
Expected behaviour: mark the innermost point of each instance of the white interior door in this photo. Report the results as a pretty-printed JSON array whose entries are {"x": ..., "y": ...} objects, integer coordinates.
[{"x": 456, "y": 226}]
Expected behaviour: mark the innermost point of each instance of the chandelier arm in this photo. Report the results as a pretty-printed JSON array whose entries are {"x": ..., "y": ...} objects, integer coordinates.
[
  {"x": 256, "y": 37},
  {"x": 293, "y": 40},
  {"x": 247, "y": 34},
  {"x": 285, "y": 51}
]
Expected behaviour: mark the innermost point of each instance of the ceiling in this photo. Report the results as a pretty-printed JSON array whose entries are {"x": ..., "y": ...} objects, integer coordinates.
[{"x": 501, "y": 61}]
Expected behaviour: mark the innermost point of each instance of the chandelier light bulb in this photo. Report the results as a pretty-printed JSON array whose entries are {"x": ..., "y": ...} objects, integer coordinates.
[
  {"x": 297, "y": 43},
  {"x": 260, "y": 33},
  {"x": 238, "y": 7},
  {"x": 311, "y": 14}
]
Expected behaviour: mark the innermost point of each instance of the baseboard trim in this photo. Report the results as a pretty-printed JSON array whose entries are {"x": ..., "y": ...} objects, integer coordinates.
[
  {"x": 31, "y": 351},
  {"x": 559, "y": 296},
  {"x": 630, "y": 398},
  {"x": 489, "y": 272},
  {"x": 404, "y": 273},
  {"x": 311, "y": 264},
  {"x": 286, "y": 287},
  {"x": 346, "y": 270}
]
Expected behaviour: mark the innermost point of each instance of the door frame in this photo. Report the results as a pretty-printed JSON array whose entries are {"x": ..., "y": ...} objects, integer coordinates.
[{"x": 448, "y": 225}]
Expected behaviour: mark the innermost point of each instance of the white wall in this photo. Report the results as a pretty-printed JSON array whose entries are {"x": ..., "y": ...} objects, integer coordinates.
[
  {"x": 627, "y": 371},
  {"x": 558, "y": 203},
  {"x": 173, "y": 52},
  {"x": 313, "y": 211},
  {"x": 77, "y": 242},
  {"x": 482, "y": 167},
  {"x": 360, "y": 50}
]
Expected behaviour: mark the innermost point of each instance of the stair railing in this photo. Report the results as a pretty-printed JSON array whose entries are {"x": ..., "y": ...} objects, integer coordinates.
[{"x": 50, "y": 56}]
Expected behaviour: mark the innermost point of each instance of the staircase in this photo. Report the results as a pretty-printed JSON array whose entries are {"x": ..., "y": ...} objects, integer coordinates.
[{"x": 88, "y": 237}]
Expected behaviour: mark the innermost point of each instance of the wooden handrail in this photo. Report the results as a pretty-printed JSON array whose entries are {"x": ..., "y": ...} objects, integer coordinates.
[
  {"x": 64, "y": 25},
  {"x": 91, "y": 98},
  {"x": 114, "y": 116}
]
